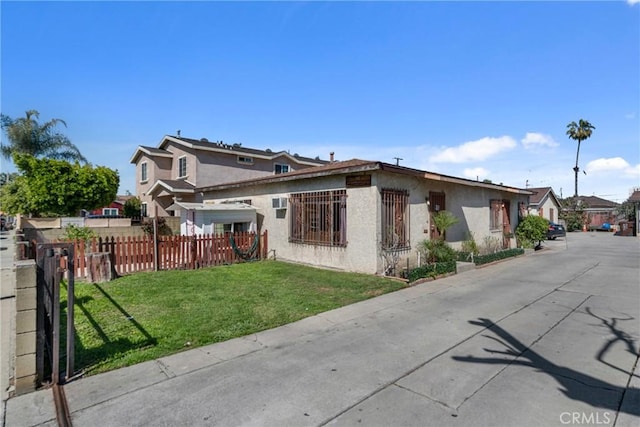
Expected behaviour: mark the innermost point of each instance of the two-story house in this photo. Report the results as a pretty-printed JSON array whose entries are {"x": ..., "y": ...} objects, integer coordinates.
[{"x": 177, "y": 166}]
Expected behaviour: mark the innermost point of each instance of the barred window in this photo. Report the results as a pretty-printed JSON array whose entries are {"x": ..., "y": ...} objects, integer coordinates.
[
  {"x": 395, "y": 219},
  {"x": 319, "y": 218},
  {"x": 495, "y": 219}
]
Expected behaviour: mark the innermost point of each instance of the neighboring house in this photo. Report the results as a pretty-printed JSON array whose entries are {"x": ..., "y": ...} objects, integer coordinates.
[
  {"x": 599, "y": 211},
  {"x": 115, "y": 208},
  {"x": 173, "y": 170},
  {"x": 360, "y": 215},
  {"x": 544, "y": 202}
]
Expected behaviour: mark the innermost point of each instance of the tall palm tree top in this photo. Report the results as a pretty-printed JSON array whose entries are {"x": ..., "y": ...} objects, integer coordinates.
[
  {"x": 27, "y": 136},
  {"x": 580, "y": 131}
]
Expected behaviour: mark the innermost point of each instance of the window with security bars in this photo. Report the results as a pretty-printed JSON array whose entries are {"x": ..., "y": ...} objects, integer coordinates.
[
  {"x": 395, "y": 219},
  {"x": 319, "y": 218},
  {"x": 495, "y": 220}
]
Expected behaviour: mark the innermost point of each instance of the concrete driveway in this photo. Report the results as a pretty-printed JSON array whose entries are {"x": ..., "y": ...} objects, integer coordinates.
[{"x": 549, "y": 339}]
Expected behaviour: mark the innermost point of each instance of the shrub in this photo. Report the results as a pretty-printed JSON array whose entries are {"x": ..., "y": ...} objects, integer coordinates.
[
  {"x": 132, "y": 207},
  {"x": 485, "y": 259},
  {"x": 163, "y": 228},
  {"x": 490, "y": 245},
  {"x": 436, "y": 250},
  {"x": 469, "y": 245},
  {"x": 532, "y": 229},
  {"x": 431, "y": 270},
  {"x": 73, "y": 232}
]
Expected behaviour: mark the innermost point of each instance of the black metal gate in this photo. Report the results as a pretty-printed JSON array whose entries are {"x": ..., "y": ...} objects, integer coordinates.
[{"x": 53, "y": 260}]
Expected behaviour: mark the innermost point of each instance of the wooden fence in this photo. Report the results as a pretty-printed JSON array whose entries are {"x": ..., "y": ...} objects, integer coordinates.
[{"x": 133, "y": 254}]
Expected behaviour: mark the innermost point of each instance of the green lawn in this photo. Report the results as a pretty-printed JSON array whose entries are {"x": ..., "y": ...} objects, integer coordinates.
[{"x": 149, "y": 315}]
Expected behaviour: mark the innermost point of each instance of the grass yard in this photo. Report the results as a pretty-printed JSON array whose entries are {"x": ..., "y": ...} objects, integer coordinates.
[{"x": 149, "y": 315}]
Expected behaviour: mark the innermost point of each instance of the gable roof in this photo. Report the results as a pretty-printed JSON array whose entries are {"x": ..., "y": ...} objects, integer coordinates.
[
  {"x": 540, "y": 194},
  {"x": 151, "y": 151},
  {"x": 218, "y": 146},
  {"x": 595, "y": 202},
  {"x": 355, "y": 166},
  {"x": 635, "y": 196},
  {"x": 173, "y": 186}
]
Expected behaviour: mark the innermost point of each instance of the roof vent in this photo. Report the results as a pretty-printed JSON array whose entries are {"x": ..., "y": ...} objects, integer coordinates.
[
  {"x": 296, "y": 155},
  {"x": 268, "y": 150},
  {"x": 204, "y": 140}
]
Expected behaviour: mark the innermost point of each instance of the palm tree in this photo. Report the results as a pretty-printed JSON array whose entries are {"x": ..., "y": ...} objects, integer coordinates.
[
  {"x": 27, "y": 136},
  {"x": 579, "y": 132}
]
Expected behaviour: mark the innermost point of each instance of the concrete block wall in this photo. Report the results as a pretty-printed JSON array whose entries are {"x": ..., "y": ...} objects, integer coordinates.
[
  {"x": 25, "y": 327},
  {"x": 7, "y": 328}
]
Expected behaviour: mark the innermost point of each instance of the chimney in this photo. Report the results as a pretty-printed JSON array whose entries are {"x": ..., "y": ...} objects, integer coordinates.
[
  {"x": 331, "y": 156},
  {"x": 178, "y": 132}
]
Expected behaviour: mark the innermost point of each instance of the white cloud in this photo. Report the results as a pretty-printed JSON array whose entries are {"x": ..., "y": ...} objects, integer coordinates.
[
  {"x": 632, "y": 115},
  {"x": 534, "y": 139},
  {"x": 473, "y": 151},
  {"x": 475, "y": 173},
  {"x": 632, "y": 2},
  {"x": 612, "y": 165}
]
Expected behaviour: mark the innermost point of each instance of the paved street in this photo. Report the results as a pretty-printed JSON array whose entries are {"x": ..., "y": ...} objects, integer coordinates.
[{"x": 548, "y": 339}]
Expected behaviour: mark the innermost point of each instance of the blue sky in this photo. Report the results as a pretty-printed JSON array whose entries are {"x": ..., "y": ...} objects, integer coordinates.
[{"x": 472, "y": 89}]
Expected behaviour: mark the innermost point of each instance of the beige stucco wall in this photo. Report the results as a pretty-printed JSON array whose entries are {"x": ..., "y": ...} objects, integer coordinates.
[
  {"x": 358, "y": 255},
  {"x": 471, "y": 205},
  {"x": 546, "y": 206}
]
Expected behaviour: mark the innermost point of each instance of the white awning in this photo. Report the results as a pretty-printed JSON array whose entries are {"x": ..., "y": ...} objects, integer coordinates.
[{"x": 220, "y": 207}]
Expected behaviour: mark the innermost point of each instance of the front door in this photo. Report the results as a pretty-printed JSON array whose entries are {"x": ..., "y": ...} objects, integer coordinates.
[{"x": 506, "y": 225}]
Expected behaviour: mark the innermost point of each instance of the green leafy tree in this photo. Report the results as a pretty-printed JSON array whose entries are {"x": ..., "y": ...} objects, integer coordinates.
[
  {"x": 627, "y": 210},
  {"x": 14, "y": 197},
  {"x": 573, "y": 213},
  {"x": 55, "y": 187},
  {"x": 579, "y": 132},
  {"x": 27, "y": 136},
  {"x": 132, "y": 207},
  {"x": 532, "y": 229}
]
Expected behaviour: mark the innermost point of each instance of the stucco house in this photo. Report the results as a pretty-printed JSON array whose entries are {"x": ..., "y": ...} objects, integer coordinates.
[
  {"x": 635, "y": 199},
  {"x": 545, "y": 203},
  {"x": 354, "y": 214},
  {"x": 599, "y": 211},
  {"x": 177, "y": 166}
]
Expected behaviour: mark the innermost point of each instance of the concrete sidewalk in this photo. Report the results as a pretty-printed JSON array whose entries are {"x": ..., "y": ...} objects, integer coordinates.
[{"x": 543, "y": 340}]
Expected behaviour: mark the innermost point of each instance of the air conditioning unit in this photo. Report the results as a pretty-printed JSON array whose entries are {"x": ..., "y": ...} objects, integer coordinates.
[{"x": 279, "y": 203}]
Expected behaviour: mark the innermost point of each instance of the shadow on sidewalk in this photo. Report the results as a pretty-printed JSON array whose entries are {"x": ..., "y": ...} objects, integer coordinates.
[{"x": 574, "y": 384}]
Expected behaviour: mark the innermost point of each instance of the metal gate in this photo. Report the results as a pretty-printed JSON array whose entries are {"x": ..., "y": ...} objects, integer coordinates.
[{"x": 53, "y": 261}]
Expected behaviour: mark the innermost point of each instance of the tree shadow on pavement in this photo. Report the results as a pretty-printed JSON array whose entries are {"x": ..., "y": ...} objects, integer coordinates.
[
  {"x": 618, "y": 336},
  {"x": 574, "y": 384}
]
